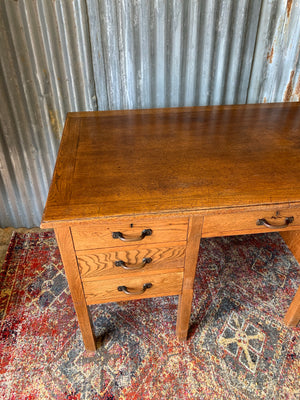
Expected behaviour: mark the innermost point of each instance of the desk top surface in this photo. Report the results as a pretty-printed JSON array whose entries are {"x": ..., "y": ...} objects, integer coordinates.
[{"x": 172, "y": 160}]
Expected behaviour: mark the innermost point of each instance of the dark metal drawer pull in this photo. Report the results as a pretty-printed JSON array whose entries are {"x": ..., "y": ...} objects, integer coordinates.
[
  {"x": 121, "y": 263},
  {"x": 264, "y": 222},
  {"x": 125, "y": 290},
  {"x": 119, "y": 235}
]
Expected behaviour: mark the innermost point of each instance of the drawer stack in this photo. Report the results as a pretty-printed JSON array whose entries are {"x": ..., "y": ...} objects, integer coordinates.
[{"x": 127, "y": 260}]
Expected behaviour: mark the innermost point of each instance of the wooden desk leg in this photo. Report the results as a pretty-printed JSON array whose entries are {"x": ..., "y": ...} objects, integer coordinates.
[
  {"x": 186, "y": 297},
  {"x": 65, "y": 244},
  {"x": 292, "y": 239}
]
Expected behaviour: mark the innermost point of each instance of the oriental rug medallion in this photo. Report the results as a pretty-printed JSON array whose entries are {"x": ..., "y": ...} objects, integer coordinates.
[{"x": 238, "y": 345}]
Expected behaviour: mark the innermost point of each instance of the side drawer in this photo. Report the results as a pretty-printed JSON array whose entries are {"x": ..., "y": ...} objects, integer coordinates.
[
  {"x": 237, "y": 223},
  {"x": 106, "y": 290},
  {"x": 101, "y": 235},
  {"x": 130, "y": 260}
]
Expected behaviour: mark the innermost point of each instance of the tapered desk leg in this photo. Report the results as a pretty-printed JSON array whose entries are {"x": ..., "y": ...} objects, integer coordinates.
[
  {"x": 186, "y": 297},
  {"x": 65, "y": 244},
  {"x": 292, "y": 239}
]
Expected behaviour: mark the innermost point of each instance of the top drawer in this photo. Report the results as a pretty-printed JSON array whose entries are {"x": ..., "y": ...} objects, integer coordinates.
[
  {"x": 240, "y": 223},
  {"x": 114, "y": 233}
]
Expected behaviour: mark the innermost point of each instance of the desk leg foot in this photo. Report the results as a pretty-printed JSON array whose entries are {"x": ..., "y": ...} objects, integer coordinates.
[
  {"x": 292, "y": 317},
  {"x": 68, "y": 256},
  {"x": 292, "y": 239},
  {"x": 186, "y": 297},
  {"x": 184, "y": 312}
]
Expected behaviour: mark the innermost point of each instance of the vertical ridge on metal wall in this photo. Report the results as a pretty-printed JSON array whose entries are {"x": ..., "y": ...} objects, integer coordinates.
[
  {"x": 59, "y": 56},
  {"x": 172, "y": 53},
  {"x": 276, "y": 70},
  {"x": 45, "y": 72}
]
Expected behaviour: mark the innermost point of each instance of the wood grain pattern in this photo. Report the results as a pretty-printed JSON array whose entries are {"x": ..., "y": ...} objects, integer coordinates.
[
  {"x": 65, "y": 164},
  {"x": 65, "y": 245},
  {"x": 100, "y": 235},
  {"x": 292, "y": 239},
  {"x": 186, "y": 297},
  {"x": 103, "y": 291},
  {"x": 101, "y": 264},
  {"x": 193, "y": 158},
  {"x": 240, "y": 223},
  {"x": 292, "y": 316}
]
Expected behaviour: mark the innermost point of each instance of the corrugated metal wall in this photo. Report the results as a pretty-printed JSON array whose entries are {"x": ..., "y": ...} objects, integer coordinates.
[{"x": 70, "y": 55}]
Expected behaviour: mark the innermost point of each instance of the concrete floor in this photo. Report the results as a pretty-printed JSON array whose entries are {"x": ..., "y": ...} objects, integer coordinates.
[{"x": 5, "y": 235}]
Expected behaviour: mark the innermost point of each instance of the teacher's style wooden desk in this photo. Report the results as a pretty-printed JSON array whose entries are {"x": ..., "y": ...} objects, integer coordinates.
[{"x": 133, "y": 192}]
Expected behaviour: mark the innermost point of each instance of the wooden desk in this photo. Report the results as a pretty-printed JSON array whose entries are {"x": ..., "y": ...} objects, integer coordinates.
[{"x": 133, "y": 192}]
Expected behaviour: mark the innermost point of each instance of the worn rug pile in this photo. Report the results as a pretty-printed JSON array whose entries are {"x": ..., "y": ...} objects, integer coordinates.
[{"x": 238, "y": 346}]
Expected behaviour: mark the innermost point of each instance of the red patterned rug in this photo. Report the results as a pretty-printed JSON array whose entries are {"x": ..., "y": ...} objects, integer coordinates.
[{"x": 238, "y": 347}]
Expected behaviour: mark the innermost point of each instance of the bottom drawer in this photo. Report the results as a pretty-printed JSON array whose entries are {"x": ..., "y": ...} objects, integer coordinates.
[{"x": 105, "y": 291}]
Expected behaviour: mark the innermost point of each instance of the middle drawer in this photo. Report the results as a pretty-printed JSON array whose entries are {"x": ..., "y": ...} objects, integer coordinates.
[{"x": 142, "y": 259}]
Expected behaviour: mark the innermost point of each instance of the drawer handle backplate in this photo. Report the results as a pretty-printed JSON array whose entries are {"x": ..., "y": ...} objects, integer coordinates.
[
  {"x": 119, "y": 235},
  {"x": 121, "y": 263},
  {"x": 125, "y": 290},
  {"x": 263, "y": 221}
]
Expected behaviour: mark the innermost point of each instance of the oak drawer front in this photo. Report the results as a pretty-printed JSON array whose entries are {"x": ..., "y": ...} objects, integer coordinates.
[
  {"x": 251, "y": 222},
  {"x": 110, "y": 234},
  {"x": 130, "y": 260},
  {"x": 106, "y": 290}
]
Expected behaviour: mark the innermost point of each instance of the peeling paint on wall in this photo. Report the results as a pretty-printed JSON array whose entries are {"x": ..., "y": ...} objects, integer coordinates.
[
  {"x": 297, "y": 88},
  {"x": 289, "y": 90},
  {"x": 292, "y": 91},
  {"x": 289, "y": 4},
  {"x": 270, "y": 55},
  {"x": 55, "y": 123}
]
